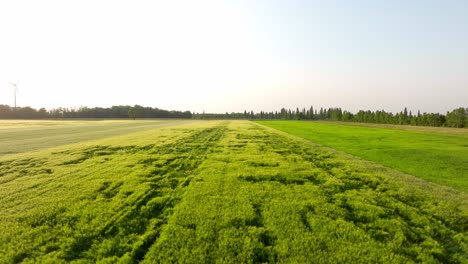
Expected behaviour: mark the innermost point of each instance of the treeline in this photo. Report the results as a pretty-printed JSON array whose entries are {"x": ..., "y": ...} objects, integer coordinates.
[
  {"x": 455, "y": 118},
  {"x": 120, "y": 111}
]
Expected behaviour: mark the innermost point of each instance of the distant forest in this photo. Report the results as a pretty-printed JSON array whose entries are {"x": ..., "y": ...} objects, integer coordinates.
[
  {"x": 455, "y": 118},
  {"x": 121, "y": 111}
]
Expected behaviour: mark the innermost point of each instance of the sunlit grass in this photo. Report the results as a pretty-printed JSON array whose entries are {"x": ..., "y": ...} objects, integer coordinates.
[
  {"x": 431, "y": 154},
  {"x": 18, "y": 136},
  {"x": 232, "y": 192}
]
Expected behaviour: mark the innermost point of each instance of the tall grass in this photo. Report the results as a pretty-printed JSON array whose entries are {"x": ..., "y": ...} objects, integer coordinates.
[{"x": 233, "y": 192}]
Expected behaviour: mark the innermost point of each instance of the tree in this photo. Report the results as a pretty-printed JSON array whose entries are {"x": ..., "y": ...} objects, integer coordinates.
[
  {"x": 457, "y": 118},
  {"x": 347, "y": 116},
  {"x": 131, "y": 113},
  {"x": 311, "y": 112}
]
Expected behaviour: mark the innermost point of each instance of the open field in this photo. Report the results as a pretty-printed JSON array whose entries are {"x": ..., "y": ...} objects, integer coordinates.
[
  {"x": 436, "y": 154},
  {"x": 443, "y": 130},
  {"x": 23, "y": 136},
  {"x": 221, "y": 191}
]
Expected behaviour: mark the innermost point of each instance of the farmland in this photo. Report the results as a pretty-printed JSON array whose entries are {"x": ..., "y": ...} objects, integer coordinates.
[
  {"x": 436, "y": 154},
  {"x": 216, "y": 191},
  {"x": 23, "y": 136}
]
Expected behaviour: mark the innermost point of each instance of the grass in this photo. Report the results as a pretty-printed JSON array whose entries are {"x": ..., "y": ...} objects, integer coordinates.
[
  {"x": 23, "y": 136},
  {"x": 443, "y": 130},
  {"x": 231, "y": 192},
  {"x": 438, "y": 155}
]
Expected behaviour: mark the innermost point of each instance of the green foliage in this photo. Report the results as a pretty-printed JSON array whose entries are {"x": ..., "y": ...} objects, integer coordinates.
[
  {"x": 231, "y": 192},
  {"x": 457, "y": 118},
  {"x": 117, "y": 111}
]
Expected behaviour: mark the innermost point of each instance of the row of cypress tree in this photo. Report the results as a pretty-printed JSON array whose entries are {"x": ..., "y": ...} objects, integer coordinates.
[{"x": 455, "y": 118}]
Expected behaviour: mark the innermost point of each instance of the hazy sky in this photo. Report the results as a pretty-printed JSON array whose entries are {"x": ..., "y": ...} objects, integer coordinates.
[{"x": 222, "y": 56}]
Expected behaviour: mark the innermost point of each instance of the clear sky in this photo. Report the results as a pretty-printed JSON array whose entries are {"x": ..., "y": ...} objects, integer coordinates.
[{"x": 223, "y": 56}]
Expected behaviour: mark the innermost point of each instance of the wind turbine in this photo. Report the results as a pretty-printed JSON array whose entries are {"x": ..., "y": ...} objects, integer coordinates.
[{"x": 15, "y": 90}]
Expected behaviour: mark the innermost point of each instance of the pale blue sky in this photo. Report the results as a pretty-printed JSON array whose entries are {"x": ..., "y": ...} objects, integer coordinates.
[
  {"x": 367, "y": 31},
  {"x": 222, "y": 56}
]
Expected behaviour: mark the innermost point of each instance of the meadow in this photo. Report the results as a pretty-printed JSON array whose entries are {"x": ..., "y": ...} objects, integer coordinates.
[
  {"x": 18, "y": 136},
  {"x": 218, "y": 192},
  {"x": 436, "y": 154}
]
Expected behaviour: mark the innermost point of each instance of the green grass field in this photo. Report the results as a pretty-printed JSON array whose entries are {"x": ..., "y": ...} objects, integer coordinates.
[
  {"x": 215, "y": 192},
  {"x": 436, "y": 154},
  {"x": 23, "y": 136}
]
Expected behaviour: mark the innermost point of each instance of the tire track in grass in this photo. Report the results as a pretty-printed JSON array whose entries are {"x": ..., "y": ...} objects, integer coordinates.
[
  {"x": 215, "y": 222},
  {"x": 347, "y": 187},
  {"x": 169, "y": 180},
  {"x": 265, "y": 197},
  {"x": 239, "y": 193},
  {"x": 88, "y": 231},
  {"x": 168, "y": 172}
]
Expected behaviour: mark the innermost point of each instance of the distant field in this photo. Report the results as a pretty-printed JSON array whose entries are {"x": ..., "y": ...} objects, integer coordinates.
[
  {"x": 220, "y": 192},
  {"x": 18, "y": 136},
  {"x": 436, "y": 154},
  {"x": 443, "y": 130}
]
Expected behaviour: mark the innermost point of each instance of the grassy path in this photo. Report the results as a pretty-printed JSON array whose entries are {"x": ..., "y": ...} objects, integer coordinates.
[
  {"x": 432, "y": 154},
  {"x": 231, "y": 192}
]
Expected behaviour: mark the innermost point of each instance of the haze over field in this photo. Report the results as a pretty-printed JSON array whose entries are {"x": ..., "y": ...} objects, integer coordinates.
[{"x": 223, "y": 56}]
